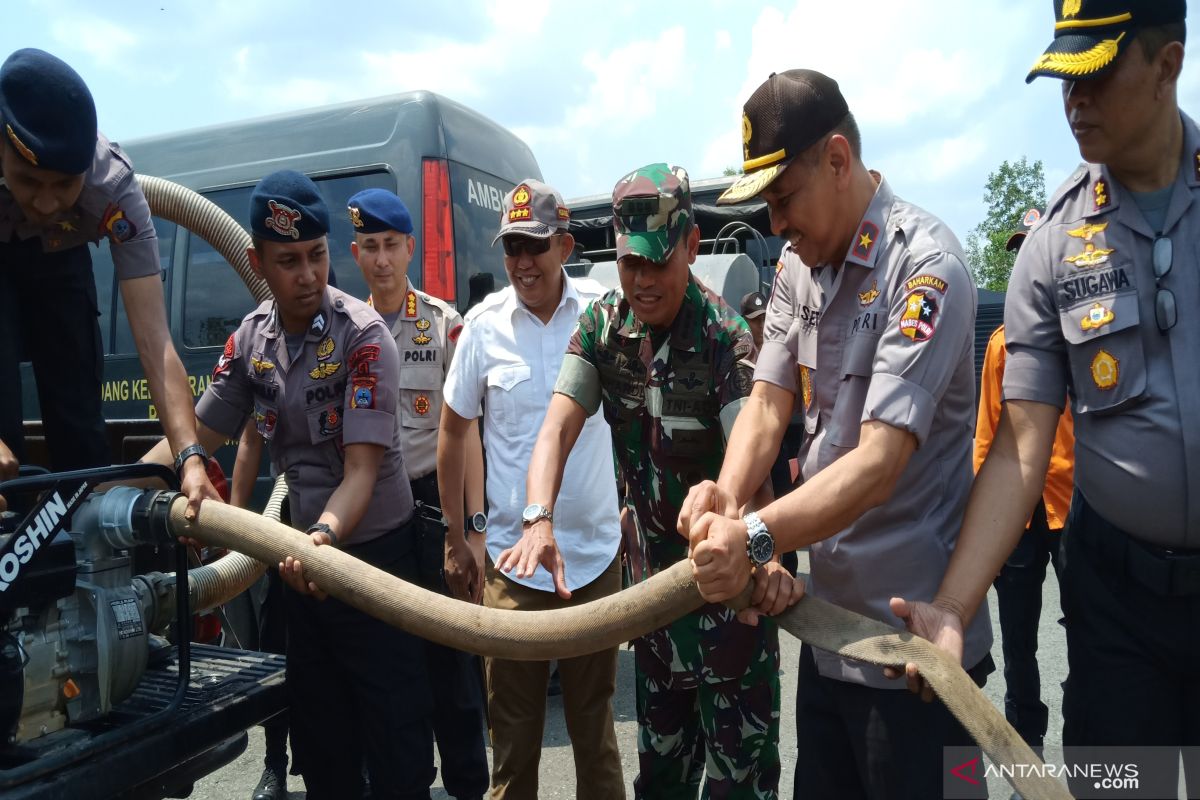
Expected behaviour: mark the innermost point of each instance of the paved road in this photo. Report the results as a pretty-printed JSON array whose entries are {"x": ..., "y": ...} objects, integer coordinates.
[{"x": 557, "y": 768}]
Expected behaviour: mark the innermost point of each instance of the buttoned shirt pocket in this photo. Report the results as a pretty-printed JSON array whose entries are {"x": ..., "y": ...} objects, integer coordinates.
[
  {"x": 420, "y": 397},
  {"x": 324, "y": 422},
  {"x": 510, "y": 393},
  {"x": 857, "y": 368},
  {"x": 1105, "y": 351}
]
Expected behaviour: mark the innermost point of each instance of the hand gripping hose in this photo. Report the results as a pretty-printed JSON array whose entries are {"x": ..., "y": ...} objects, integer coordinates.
[{"x": 586, "y": 628}]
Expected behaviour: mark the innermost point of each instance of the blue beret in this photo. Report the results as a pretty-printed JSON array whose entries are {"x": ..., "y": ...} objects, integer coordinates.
[
  {"x": 378, "y": 210},
  {"x": 287, "y": 207},
  {"x": 47, "y": 112}
]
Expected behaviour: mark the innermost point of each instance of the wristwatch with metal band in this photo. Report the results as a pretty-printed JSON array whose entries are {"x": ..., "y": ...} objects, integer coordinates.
[
  {"x": 760, "y": 545},
  {"x": 534, "y": 512}
]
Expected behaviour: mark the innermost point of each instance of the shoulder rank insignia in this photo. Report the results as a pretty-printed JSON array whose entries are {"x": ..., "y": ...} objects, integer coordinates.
[
  {"x": 325, "y": 348},
  {"x": 322, "y": 371},
  {"x": 261, "y": 365},
  {"x": 1100, "y": 195},
  {"x": 423, "y": 325},
  {"x": 868, "y": 297},
  {"x": 1106, "y": 370},
  {"x": 806, "y": 388},
  {"x": 410, "y": 304},
  {"x": 864, "y": 241},
  {"x": 1096, "y": 318}
]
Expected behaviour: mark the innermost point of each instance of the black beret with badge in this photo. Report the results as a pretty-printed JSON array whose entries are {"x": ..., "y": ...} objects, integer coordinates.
[
  {"x": 287, "y": 206},
  {"x": 1089, "y": 35},
  {"x": 786, "y": 115},
  {"x": 377, "y": 211},
  {"x": 47, "y": 113}
]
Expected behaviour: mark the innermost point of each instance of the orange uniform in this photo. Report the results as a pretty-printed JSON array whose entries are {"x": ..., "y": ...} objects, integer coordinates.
[{"x": 1060, "y": 477}]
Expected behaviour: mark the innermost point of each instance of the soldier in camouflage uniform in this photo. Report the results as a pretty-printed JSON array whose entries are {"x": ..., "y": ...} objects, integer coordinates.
[{"x": 669, "y": 362}]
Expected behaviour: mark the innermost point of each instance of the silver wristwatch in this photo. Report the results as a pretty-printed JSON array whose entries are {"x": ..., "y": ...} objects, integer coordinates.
[
  {"x": 760, "y": 545},
  {"x": 534, "y": 512}
]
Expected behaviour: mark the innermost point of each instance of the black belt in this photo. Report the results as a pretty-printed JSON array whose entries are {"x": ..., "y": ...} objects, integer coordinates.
[{"x": 1165, "y": 572}]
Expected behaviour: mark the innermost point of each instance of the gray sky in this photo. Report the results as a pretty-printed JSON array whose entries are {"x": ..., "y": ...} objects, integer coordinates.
[{"x": 595, "y": 88}]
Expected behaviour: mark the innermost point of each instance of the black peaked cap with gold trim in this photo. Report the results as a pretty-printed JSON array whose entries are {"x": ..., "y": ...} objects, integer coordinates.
[
  {"x": 785, "y": 116},
  {"x": 1089, "y": 35}
]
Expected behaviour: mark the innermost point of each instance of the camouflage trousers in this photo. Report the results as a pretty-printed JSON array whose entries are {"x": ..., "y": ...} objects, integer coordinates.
[{"x": 726, "y": 734}]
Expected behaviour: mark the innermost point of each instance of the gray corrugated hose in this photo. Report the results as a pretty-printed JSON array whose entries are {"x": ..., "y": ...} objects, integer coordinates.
[
  {"x": 542, "y": 635},
  {"x": 586, "y": 628}
]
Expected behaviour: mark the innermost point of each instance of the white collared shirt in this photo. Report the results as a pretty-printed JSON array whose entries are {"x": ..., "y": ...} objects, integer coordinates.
[{"x": 508, "y": 360}]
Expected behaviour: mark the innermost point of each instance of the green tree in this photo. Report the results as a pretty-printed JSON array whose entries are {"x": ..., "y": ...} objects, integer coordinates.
[
  {"x": 1011, "y": 190},
  {"x": 731, "y": 171}
]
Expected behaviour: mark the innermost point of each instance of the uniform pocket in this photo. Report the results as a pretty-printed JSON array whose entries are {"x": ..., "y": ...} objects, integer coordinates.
[
  {"x": 509, "y": 389},
  {"x": 420, "y": 397},
  {"x": 845, "y": 422},
  {"x": 324, "y": 423},
  {"x": 1105, "y": 351}
]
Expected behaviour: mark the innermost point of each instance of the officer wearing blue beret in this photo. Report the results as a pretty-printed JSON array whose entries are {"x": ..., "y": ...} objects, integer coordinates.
[
  {"x": 426, "y": 331},
  {"x": 317, "y": 373},
  {"x": 63, "y": 185}
]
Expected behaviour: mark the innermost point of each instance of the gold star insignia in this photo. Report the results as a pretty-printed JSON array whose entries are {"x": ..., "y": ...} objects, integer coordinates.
[
  {"x": 1101, "y": 194},
  {"x": 864, "y": 241}
]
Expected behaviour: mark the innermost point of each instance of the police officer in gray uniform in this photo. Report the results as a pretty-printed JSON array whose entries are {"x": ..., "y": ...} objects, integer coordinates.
[
  {"x": 63, "y": 186},
  {"x": 1100, "y": 305},
  {"x": 870, "y": 330},
  {"x": 426, "y": 331},
  {"x": 317, "y": 372}
]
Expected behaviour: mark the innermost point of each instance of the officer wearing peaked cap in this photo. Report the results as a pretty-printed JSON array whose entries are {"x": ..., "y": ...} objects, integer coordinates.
[
  {"x": 1099, "y": 307},
  {"x": 869, "y": 331},
  {"x": 426, "y": 331},
  {"x": 63, "y": 185},
  {"x": 317, "y": 372}
]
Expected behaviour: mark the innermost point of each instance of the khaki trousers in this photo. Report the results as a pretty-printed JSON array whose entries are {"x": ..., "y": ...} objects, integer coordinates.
[{"x": 516, "y": 695}]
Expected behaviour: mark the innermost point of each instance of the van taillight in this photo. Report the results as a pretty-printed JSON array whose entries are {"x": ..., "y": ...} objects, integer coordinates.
[{"x": 438, "y": 221}]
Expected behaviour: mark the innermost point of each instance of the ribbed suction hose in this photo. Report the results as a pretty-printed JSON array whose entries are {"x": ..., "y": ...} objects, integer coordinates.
[{"x": 608, "y": 622}]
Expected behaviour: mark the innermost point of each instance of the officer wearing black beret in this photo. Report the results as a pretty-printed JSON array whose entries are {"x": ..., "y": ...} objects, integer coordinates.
[
  {"x": 1100, "y": 306},
  {"x": 62, "y": 186}
]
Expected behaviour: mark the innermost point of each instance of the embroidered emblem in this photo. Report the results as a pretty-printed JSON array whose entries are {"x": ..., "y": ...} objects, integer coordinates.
[
  {"x": 410, "y": 304},
  {"x": 116, "y": 226},
  {"x": 747, "y": 132},
  {"x": 421, "y": 405},
  {"x": 1106, "y": 370},
  {"x": 283, "y": 219},
  {"x": 1088, "y": 230},
  {"x": 454, "y": 333},
  {"x": 318, "y": 324},
  {"x": 225, "y": 359},
  {"x": 564, "y": 213},
  {"x": 1075, "y": 64},
  {"x": 355, "y": 217},
  {"x": 1031, "y": 217},
  {"x": 520, "y": 210},
  {"x": 1100, "y": 195},
  {"x": 322, "y": 371},
  {"x": 325, "y": 348},
  {"x": 21, "y": 148},
  {"x": 805, "y": 386},
  {"x": 265, "y": 422},
  {"x": 926, "y": 282},
  {"x": 521, "y": 196},
  {"x": 1097, "y": 317},
  {"x": 1091, "y": 256},
  {"x": 918, "y": 322},
  {"x": 423, "y": 325},
  {"x": 261, "y": 365},
  {"x": 360, "y": 360},
  {"x": 868, "y": 297},
  {"x": 363, "y": 395},
  {"x": 1070, "y": 8},
  {"x": 864, "y": 243},
  {"x": 330, "y": 421}
]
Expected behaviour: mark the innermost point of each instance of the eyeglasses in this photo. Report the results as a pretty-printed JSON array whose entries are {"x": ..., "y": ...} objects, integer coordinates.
[
  {"x": 1161, "y": 257},
  {"x": 514, "y": 246}
]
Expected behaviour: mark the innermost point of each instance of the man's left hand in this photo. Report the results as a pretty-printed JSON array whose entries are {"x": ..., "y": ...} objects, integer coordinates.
[
  {"x": 720, "y": 563},
  {"x": 292, "y": 570},
  {"x": 775, "y": 591},
  {"x": 197, "y": 486},
  {"x": 537, "y": 546}
]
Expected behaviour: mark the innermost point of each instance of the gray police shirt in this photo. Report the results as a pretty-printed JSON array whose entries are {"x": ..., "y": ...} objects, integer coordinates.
[
  {"x": 341, "y": 390},
  {"x": 1080, "y": 317},
  {"x": 887, "y": 335},
  {"x": 111, "y": 205}
]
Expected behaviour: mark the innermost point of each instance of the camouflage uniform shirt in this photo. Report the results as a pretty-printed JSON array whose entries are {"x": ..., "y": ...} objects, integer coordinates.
[{"x": 670, "y": 398}]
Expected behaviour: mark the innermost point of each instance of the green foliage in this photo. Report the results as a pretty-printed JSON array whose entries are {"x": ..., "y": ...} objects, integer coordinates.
[
  {"x": 730, "y": 171},
  {"x": 1010, "y": 191}
]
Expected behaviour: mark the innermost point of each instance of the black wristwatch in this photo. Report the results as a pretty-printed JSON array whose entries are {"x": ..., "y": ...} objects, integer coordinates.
[
  {"x": 185, "y": 454},
  {"x": 323, "y": 527},
  {"x": 478, "y": 523}
]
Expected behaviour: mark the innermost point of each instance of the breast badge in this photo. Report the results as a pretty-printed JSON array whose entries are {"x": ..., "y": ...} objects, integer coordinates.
[
  {"x": 261, "y": 365},
  {"x": 868, "y": 297},
  {"x": 421, "y": 405},
  {"x": 1106, "y": 370},
  {"x": 322, "y": 371},
  {"x": 325, "y": 348},
  {"x": 330, "y": 421},
  {"x": 421, "y": 338},
  {"x": 1097, "y": 317},
  {"x": 1092, "y": 256}
]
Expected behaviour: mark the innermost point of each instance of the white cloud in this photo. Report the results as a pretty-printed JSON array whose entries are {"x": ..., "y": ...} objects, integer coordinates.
[
  {"x": 723, "y": 40},
  {"x": 938, "y": 160},
  {"x": 104, "y": 41}
]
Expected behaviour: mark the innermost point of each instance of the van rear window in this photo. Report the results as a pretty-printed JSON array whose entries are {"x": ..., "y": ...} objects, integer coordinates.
[
  {"x": 212, "y": 310},
  {"x": 477, "y": 198}
]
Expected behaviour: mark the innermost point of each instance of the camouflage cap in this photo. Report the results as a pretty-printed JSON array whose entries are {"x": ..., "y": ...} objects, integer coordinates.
[
  {"x": 651, "y": 210},
  {"x": 533, "y": 209}
]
